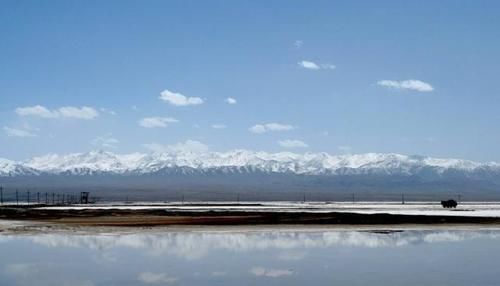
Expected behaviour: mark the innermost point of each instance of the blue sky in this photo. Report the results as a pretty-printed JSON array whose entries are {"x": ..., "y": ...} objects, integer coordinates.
[{"x": 411, "y": 77}]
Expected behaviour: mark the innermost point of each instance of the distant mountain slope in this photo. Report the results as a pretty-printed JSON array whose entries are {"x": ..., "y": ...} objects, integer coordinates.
[
  {"x": 248, "y": 171},
  {"x": 243, "y": 161}
]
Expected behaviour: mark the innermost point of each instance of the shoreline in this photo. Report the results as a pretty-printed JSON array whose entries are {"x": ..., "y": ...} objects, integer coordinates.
[
  {"x": 27, "y": 227},
  {"x": 150, "y": 217}
]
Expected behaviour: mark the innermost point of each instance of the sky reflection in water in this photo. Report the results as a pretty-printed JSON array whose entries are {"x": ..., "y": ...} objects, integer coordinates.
[{"x": 253, "y": 258}]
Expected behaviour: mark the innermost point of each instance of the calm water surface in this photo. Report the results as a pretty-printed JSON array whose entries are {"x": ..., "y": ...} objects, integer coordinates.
[{"x": 287, "y": 257}]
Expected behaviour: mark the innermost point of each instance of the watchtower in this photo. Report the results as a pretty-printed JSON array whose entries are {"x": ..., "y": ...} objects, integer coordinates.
[{"x": 84, "y": 197}]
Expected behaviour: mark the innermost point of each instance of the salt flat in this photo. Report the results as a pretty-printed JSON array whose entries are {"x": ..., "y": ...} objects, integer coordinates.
[{"x": 470, "y": 209}]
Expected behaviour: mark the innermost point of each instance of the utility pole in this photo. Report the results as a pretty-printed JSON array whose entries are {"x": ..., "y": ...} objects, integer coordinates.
[
  {"x": 304, "y": 200},
  {"x": 353, "y": 199},
  {"x": 53, "y": 196},
  {"x": 17, "y": 197},
  {"x": 46, "y": 198},
  {"x": 459, "y": 198},
  {"x": 38, "y": 197},
  {"x": 238, "y": 197},
  {"x": 403, "y": 199},
  {"x": 28, "y": 197},
  {"x": 1, "y": 195}
]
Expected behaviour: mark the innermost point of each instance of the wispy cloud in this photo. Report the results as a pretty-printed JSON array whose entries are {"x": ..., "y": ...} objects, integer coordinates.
[
  {"x": 105, "y": 142},
  {"x": 273, "y": 273},
  {"x": 156, "y": 122},
  {"x": 84, "y": 112},
  {"x": 263, "y": 128},
  {"x": 155, "y": 278},
  {"x": 298, "y": 44},
  {"x": 178, "y": 99},
  {"x": 292, "y": 144},
  {"x": 231, "y": 100},
  {"x": 411, "y": 84},
  {"x": 314, "y": 66},
  {"x": 187, "y": 146},
  {"x": 107, "y": 110},
  {"x": 78, "y": 112},
  {"x": 36, "y": 110},
  {"x": 345, "y": 149},
  {"x": 14, "y": 132},
  {"x": 219, "y": 126}
]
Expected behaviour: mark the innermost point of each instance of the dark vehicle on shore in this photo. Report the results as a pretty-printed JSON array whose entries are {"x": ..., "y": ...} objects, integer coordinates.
[{"x": 449, "y": 204}]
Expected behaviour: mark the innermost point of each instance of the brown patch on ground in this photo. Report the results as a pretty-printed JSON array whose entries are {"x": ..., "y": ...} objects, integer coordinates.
[{"x": 163, "y": 217}]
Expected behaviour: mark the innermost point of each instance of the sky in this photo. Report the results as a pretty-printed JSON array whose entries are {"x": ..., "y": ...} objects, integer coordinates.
[{"x": 409, "y": 77}]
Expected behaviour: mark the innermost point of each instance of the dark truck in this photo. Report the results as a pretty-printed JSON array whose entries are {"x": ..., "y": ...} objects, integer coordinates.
[{"x": 449, "y": 204}]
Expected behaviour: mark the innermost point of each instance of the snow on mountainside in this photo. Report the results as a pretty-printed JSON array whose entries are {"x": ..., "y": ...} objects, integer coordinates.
[
  {"x": 241, "y": 161},
  {"x": 11, "y": 168}
]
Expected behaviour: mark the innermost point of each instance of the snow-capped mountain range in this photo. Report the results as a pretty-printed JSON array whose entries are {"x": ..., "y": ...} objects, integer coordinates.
[{"x": 243, "y": 161}]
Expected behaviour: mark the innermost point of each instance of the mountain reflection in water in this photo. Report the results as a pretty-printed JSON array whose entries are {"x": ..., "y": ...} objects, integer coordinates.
[{"x": 288, "y": 257}]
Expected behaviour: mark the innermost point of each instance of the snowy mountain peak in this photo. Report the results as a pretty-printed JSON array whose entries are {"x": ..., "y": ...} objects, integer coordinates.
[{"x": 97, "y": 162}]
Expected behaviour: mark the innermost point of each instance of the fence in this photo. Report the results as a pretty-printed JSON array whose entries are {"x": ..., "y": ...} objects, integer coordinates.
[{"x": 27, "y": 197}]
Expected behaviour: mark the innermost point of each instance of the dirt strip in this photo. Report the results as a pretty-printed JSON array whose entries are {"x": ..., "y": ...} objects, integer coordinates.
[{"x": 153, "y": 217}]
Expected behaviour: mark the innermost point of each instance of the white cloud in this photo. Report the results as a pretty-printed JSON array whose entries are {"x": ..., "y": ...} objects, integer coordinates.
[
  {"x": 14, "y": 132},
  {"x": 258, "y": 128},
  {"x": 155, "y": 278},
  {"x": 231, "y": 100},
  {"x": 411, "y": 84},
  {"x": 292, "y": 144},
  {"x": 274, "y": 273},
  {"x": 298, "y": 44},
  {"x": 314, "y": 66},
  {"x": 309, "y": 65},
  {"x": 156, "y": 122},
  {"x": 178, "y": 99},
  {"x": 84, "y": 112},
  {"x": 219, "y": 126},
  {"x": 36, "y": 110},
  {"x": 187, "y": 146},
  {"x": 263, "y": 128},
  {"x": 105, "y": 142}
]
